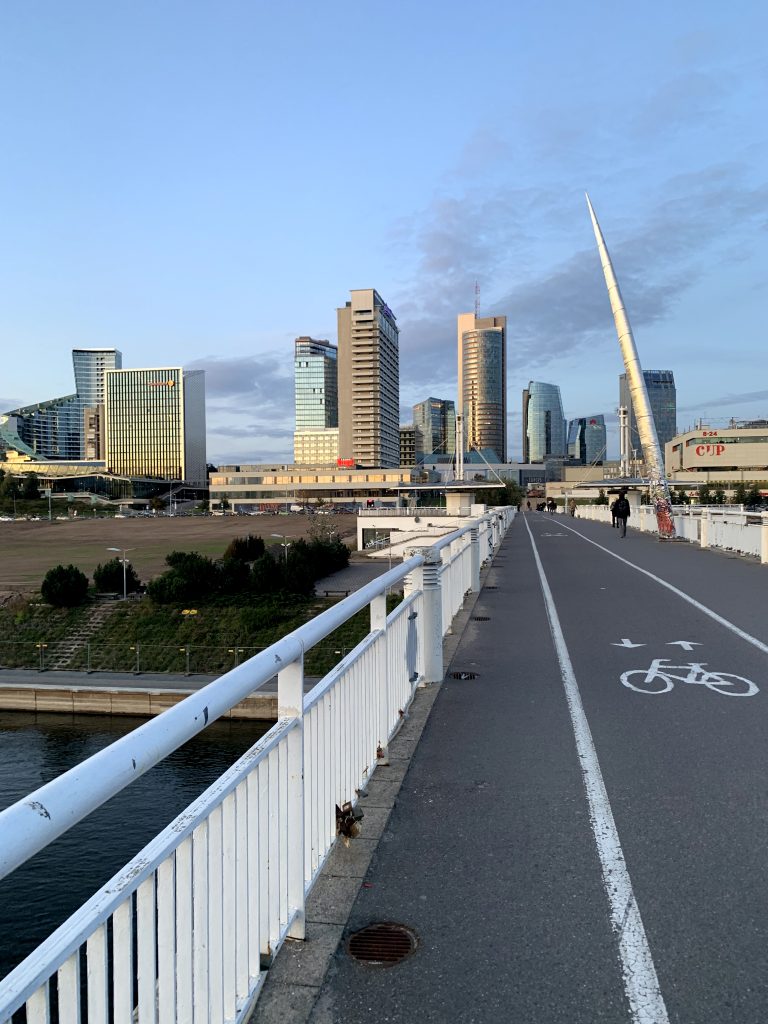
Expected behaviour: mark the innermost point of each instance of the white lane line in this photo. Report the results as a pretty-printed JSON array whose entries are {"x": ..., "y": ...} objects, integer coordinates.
[
  {"x": 640, "y": 981},
  {"x": 680, "y": 593}
]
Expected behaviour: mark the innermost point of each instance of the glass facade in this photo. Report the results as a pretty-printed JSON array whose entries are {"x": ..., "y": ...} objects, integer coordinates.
[
  {"x": 144, "y": 413},
  {"x": 587, "y": 440},
  {"x": 483, "y": 386},
  {"x": 543, "y": 422},
  {"x": 90, "y": 366},
  {"x": 311, "y": 447},
  {"x": 316, "y": 384},
  {"x": 662, "y": 396},
  {"x": 434, "y": 421},
  {"x": 48, "y": 430}
]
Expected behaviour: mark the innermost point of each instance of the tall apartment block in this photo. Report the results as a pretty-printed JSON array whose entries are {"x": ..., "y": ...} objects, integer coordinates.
[
  {"x": 662, "y": 395},
  {"x": 369, "y": 381},
  {"x": 90, "y": 366},
  {"x": 407, "y": 445},
  {"x": 482, "y": 351},
  {"x": 155, "y": 424},
  {"x": 434, "y": 422},
  {"x": 543, "y": 422},
  {"x": 316, "y": 436}
]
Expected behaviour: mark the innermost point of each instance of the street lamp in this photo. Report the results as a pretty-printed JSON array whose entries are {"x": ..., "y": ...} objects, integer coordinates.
[
  {"x": 124, "y": 560},
  {"x": 285, "y": 544}
]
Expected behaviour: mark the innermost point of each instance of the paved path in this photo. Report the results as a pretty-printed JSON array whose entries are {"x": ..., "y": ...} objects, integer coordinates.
[{"x": 566, "y": 848}]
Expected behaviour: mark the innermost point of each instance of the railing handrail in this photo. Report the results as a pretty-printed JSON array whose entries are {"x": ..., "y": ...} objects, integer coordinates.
[{"x": 42, "y": 816}]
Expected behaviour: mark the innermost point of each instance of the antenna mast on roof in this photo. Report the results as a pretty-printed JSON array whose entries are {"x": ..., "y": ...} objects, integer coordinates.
[{"x": 477, "y": 299}]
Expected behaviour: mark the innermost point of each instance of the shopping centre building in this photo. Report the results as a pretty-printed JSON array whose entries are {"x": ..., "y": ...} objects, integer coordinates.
[{"x": 737, "y": 454}]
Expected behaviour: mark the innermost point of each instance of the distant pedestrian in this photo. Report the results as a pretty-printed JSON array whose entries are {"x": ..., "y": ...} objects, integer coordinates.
[
  {"x": 572, "y": 507},
  {"x": 552, "y": 506},
  {"x": 529, "y": 505},
  {"x": 621, "y": 511},
  {"x": 614, "y": 521}
]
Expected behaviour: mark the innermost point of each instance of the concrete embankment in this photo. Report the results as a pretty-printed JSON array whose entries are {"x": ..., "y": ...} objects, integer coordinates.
[{"x": 74, "y": 693}]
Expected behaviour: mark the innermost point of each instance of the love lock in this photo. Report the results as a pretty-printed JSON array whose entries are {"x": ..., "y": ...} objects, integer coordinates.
[{"x": 348, "y": 821}]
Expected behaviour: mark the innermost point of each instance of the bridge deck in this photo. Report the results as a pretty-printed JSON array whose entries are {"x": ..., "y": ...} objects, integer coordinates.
[{"x": 490, "y": 854}]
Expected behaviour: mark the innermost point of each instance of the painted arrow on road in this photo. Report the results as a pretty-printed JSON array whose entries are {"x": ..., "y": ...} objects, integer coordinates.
[
  {"x": 687, "y": 645},
  {"x": 627, "y": 643}
]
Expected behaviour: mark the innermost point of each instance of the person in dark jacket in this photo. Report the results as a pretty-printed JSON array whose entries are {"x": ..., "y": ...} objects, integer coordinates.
[
  {"x": 613, "y": 512},
  {"x": 621, "y": 511}
]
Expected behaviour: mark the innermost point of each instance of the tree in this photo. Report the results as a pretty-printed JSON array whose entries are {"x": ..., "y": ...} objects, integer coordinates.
[
  {"x": 719, "y": 495},
  {"x": 512, "y": 494},
  {"x": 740, "y": 493},
  {"x": 705, "y": 494},
  {"x": 752, "y": 496},
  {"x": 64, "y": 586},
  {"x": 30, "y": 489},
  {"x": 601, "y": 499},
  {"x": 9, "y": 487},
  {"x": 108, "y": 578},
  {"x": 245, "y": 549},
  {"x": 224, "y": 504}
]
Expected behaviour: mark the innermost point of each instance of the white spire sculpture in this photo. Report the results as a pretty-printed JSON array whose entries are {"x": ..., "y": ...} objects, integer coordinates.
[{"x": 646, "y": 427}]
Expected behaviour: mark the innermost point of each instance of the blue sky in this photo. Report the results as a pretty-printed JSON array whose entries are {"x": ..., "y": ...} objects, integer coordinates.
[{"x": 201, "y": 182}]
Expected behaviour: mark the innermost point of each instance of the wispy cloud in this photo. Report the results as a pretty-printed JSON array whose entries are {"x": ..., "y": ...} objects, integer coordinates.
[{"x": 745, "y": 398}]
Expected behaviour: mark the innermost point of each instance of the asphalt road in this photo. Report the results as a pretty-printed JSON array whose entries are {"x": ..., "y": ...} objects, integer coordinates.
[{"x": 568, "y": 848}]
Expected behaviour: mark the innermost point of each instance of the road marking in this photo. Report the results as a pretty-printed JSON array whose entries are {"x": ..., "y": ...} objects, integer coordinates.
[
  {"x": 694, "y": 672},
  {"x": 640, "y": 981},
  {"x": 680, "y": 593},
  {"x": 687, "y": 645},
  {"x": 626, "y": 642}
]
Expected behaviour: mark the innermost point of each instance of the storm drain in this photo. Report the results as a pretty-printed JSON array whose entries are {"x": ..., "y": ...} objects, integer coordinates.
[
  {"x": 490, "y": 586},
  {"x": 463, "y": 675},
  {"x": 481, "y": 618},
  {"x": 382, "y": 945}
]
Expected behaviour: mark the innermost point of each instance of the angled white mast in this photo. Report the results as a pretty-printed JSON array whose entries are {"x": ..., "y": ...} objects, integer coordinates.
[{"x": 646, "y": 426}]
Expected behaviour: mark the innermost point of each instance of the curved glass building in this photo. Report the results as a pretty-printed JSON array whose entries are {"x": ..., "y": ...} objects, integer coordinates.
[
  {"x": 587, "y": 440},
  {"x": 543, "y": 422},
  {"x": 483, "y": 382}
]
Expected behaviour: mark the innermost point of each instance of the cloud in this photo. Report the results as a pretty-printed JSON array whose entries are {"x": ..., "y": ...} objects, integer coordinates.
[
  {"x": 253, "y": 430},
  {"x": 744, "y": 398},
  {"x": 261, "y": 380}
]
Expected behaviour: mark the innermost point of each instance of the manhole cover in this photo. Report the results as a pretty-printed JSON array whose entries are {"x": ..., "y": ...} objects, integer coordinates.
[
  {"x": 463, "y": 675},
  {"x": 490, "y": 586},
  {"x": 481, "y": 618},
  {"x": 382, "y": 945}
]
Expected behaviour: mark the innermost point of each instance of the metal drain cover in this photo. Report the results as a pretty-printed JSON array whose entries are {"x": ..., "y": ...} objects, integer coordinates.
[
  {"x": 463, "y": 675},
  {"x": 382, "y": 945},
  {"x": 481, "y": 618}
]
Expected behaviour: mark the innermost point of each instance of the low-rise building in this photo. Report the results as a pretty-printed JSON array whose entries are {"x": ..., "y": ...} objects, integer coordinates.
[{"x": 737, "y": 454}]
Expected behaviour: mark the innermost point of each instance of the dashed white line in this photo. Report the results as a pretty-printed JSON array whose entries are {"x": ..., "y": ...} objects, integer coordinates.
[{"x": 639, "y": 973}]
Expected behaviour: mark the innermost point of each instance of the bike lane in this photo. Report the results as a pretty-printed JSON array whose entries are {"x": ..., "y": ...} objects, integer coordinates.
[{"x": 686, "y": 771}]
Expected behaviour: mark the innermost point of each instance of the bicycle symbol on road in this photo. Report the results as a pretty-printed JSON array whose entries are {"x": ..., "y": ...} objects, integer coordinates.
[{"x": 660, "y": 678}]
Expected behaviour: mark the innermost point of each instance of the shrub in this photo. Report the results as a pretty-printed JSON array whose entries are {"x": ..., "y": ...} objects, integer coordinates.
[
  {"x": 64, "y": 586},
  {"x": 245, "y": 549},
  {"x": 108, "y": 578}
]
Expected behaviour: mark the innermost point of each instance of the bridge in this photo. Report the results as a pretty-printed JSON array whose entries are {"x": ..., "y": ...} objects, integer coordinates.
[{"x": 579, "y": 835}]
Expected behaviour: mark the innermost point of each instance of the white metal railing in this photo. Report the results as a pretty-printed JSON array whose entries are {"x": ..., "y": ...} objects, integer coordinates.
[
  {"x": 730, "y": 529},
  {"x": 182, "y": 931},
  {"x": 430, "y": 511}
]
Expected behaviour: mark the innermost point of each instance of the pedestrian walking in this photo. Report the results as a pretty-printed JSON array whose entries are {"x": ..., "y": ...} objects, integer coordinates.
[
  {"x": 529, "y": 505},
  {"x": 614, "y": 521},
  {"x": 621, "y": 511},
  {"x": 572, "y": 507}
]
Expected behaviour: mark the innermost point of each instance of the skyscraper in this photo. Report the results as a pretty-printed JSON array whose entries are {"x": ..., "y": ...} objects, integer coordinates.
[
  {"x": 543, "y": 422},
  {"x": 434, "y": 421},
  {"x": 369, "y": 381},
  {"x": 662, "y": 395},
  {"x": 155, "y": 423},
  {"x": 317, "y": 401},
  {"x": 587, "y": 440},
  {"x": 482, "y": 354},
  {"x": 90, "y": 366}
]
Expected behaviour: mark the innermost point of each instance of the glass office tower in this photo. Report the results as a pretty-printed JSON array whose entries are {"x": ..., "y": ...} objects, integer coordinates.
[
  {"x": 155, "y": 424},
  {"x": 434, "y": 422},
  {"x": 482, "y": 343},
  {"x": 50, "y": 430},
  {"x": 90, "y": 366},
  {"x": 543, "y": 422},
  {"x": 316, "y": 393},
  {"x": 662, "y": 395},
  {"x": 587, "y": 440}
]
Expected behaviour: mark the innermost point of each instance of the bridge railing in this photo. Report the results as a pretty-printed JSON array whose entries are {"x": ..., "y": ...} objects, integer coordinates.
[{"x": 183, "y": 932}]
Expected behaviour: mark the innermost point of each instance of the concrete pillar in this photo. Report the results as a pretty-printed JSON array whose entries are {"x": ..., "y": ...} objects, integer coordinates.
[
  {"x": 764, "y": 538},
  {"x": 704, "y": 528},
  {"x": 474, "y": 579}
]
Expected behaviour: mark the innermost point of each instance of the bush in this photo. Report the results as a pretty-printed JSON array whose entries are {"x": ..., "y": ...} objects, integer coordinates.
[
  {"x": 64, "y": 586},
  {"x": 108, "y": 578},
  {"x": 245, "y": 549}
]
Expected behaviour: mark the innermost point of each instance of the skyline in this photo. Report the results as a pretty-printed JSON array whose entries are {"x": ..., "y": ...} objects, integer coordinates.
[{"x": 183, "y": 185}]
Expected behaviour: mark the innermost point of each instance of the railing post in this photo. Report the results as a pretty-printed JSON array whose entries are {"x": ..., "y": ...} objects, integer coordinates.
[
  {"x": 290, "y": 704},
  {"x": 474, "y": 571},
  {"x": 704, "y": 534},
  {"x": 378, "y": 609},
  {"x": 432, "y": 626},
  {"x": 764, "y": 537}
]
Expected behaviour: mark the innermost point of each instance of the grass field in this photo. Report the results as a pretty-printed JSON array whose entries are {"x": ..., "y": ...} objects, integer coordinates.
[{"x": 29, "y": 549}]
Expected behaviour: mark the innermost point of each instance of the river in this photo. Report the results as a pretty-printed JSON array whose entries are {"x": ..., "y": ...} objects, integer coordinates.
[{"x": 35, "y": 748}]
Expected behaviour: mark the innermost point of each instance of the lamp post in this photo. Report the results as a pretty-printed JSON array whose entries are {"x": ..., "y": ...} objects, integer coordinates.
[
  {"x": 285, "y": 543},
  {"x": 124, "y": 560}
]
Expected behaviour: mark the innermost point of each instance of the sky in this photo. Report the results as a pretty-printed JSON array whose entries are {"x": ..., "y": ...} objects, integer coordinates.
[{"x": 199, "y": 183}]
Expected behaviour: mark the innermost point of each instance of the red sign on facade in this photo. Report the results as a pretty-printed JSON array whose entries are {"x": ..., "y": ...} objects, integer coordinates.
[
  {"x": 345, "y": 463},
  {"x": 710, "y": 449}
]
